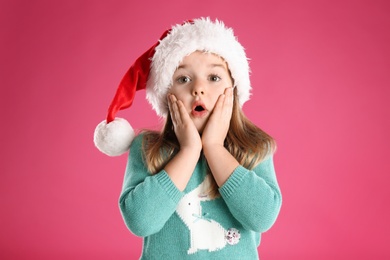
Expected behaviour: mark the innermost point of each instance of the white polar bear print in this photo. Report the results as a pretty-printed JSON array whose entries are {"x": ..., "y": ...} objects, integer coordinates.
[{"x": 205, "y": 233}]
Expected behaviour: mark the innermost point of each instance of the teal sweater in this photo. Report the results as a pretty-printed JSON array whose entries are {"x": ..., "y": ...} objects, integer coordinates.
[{"x": 189, "y": 224}]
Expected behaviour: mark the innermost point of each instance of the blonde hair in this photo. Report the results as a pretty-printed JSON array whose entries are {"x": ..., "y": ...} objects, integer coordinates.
[{"x": 245, "y": 141}]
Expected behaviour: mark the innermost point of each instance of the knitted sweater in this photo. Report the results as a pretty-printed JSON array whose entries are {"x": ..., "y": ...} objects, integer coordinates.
[{"x": 189, "y": 224}]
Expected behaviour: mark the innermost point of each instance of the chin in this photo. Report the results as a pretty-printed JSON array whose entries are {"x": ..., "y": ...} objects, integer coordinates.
[
  {"x": 200, "y": 128},
  {"x": 200, "y": 124}
]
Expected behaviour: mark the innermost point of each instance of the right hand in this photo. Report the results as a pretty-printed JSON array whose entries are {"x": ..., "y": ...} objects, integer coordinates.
[{"x": 185, "y": 130}]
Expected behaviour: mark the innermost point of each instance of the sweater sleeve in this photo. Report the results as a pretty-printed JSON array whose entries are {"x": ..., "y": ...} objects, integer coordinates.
[
  {"x": 253, "y": 197},
  {"x": 147, "y": 201}
]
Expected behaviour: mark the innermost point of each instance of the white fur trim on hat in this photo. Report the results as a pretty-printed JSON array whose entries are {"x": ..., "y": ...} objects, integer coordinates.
[
  {"x": 113, "y": 138},
  {"x": 200, "y": 35}
]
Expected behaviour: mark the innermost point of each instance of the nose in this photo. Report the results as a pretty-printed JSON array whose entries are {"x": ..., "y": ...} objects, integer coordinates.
[{"x": 198, "y": 88}]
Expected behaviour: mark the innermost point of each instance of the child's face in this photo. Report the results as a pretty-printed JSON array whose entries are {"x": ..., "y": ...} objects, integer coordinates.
[{"x": 198, "y": 82}]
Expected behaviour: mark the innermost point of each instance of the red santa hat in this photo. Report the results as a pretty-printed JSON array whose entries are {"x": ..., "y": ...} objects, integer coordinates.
[{"x": 153, "y": 71}]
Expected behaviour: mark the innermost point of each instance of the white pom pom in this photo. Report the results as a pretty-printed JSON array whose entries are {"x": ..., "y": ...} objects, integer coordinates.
[{"x": 114, "y": 138}]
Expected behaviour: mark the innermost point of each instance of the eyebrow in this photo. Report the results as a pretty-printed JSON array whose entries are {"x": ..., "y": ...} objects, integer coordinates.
[
  {"x": 211, "y": 66},
  {"x": 218, "y": 65}
]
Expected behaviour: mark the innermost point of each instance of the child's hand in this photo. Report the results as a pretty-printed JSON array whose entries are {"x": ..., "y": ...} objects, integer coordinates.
[
  {"x": 185, "y": 130},
  {"x": 218, "y": 125}
]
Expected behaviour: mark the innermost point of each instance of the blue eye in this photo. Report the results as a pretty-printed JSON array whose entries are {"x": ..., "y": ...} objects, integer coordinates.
[
  {"x": 214, "y": 78},
  {"x": 183, "y": 79}
]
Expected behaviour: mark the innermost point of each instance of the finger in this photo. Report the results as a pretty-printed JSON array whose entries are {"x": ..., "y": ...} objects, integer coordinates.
[
  {"x": 169, "y": 103},
  {"x": 224, "y": 106},
  {"x": 229, "y": 96},
  {"x": 184, "y": 116},
  {"x": 174, "y": 110},
  {"x": 219, "y": 104}
]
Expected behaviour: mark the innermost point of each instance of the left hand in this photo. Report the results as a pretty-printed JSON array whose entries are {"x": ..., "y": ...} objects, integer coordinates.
[{"x": 218, "y": 124}]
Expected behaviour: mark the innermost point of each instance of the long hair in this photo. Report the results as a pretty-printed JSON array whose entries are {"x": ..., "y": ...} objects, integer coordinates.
[{"x": 245, "y": 141}]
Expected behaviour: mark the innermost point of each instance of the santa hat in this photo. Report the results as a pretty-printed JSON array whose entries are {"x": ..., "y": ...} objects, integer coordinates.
[{"x": 154, "y": 69}]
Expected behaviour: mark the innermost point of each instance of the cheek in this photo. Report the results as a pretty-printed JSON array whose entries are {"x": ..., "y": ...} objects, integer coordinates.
[
  {"x": 213, "y": 100},
  {"x": 181, "y": 95},
  {"x": 178, "y": 90},
  {"x": 217, "y": 93},
  {"x": 172, "y": 90}
]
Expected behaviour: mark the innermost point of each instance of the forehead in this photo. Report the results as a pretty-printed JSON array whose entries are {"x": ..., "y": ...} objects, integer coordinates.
[{"x": 203, "y": 58}]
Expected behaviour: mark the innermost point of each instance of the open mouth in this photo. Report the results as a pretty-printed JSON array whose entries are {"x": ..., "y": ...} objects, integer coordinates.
[{"x": 199, "y": 108}]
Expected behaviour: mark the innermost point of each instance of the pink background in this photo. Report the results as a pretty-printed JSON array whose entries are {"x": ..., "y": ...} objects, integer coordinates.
[{"x": 320, "y": 72}]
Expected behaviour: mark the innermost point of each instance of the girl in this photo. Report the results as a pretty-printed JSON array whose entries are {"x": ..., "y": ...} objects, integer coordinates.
[{"x": 205, "y": 186}]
